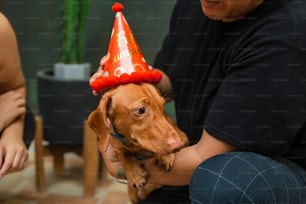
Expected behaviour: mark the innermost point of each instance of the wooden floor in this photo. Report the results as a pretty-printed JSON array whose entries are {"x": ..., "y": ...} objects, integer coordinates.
[{"x": 66, "y": 188}]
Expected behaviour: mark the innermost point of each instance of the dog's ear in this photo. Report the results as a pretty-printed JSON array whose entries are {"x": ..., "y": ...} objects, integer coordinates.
[
  {"x": 154, "y": 93},
  {"x": 99, "y": 122}
]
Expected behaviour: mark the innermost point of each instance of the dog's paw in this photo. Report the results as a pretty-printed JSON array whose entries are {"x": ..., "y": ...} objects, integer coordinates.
[
  {"x": 133, "y": 195},
  {"x": 146, "y": 190},
  {"x": 164, "y": 162},
  {"x": 141, "y": 194},
  {"x": 137, "y": 178}
]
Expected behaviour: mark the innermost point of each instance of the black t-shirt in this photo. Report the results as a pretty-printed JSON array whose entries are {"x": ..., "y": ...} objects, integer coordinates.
[{"x": 244, "y": 82}]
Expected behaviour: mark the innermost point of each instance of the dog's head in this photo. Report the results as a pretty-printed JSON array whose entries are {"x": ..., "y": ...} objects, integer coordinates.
[{"x": 137, "y": 112}]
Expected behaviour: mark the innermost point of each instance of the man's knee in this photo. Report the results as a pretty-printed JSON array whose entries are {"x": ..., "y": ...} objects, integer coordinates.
[
  {"x": 210, "y": 182},
  {"x": 243, "y": 177}
]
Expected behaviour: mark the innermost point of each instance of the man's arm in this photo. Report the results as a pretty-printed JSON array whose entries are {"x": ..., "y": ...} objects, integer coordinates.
[{"x": 186, "y": 161}]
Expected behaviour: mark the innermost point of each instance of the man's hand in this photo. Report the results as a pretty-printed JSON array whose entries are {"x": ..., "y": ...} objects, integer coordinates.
[{"x": 98, "y": 73}]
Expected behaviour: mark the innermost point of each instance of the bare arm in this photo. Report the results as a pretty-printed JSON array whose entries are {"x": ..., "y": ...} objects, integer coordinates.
[
  {"x": 186, "y": 161},
  {"x": 13, "y": 153}
]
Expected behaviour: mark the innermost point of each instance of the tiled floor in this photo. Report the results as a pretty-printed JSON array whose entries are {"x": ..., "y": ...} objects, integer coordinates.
[{"x": 19, "y": 188}]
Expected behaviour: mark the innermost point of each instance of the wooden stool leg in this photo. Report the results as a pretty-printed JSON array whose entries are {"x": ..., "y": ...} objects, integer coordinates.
[
  {"x": 39, "y": 156},
  {"x": 90, "y": 156},
  {"x": 58, "y": 162}
]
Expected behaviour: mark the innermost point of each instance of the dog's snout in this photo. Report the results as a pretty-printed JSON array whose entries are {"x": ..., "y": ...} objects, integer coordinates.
[
  {"x": 174, "y": 147},
  {"x": 174, "y": 142},
  {"x": 173, "y": 135}
]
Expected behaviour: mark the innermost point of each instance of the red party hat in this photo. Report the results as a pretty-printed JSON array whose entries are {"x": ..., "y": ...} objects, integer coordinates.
[{"x": 125, "y": 63}]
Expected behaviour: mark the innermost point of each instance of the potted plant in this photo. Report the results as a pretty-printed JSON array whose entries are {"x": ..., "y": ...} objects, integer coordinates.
[
  {"x": 64, "y": 96},
  {"x": 73, "y": 20}
]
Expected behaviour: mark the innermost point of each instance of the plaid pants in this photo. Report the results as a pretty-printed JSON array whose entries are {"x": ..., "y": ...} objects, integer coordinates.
[{"x": 245, "y": 177}]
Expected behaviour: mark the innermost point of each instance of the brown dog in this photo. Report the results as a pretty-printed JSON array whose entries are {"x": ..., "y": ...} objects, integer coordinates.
[{"x": 139, "y": 126}]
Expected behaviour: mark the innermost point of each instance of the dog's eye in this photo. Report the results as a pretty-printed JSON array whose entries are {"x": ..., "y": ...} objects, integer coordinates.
[{"x": 141, "y": 110}]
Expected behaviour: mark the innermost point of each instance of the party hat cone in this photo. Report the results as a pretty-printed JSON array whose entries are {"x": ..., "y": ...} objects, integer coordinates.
[{"x": 125, "y": 63}]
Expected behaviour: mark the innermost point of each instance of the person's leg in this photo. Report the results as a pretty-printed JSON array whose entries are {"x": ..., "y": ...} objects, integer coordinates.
[
  {"x": 168, "y": 195},
  {"x": 244, "y": 177},
  {"x": 29, "y": 127}
]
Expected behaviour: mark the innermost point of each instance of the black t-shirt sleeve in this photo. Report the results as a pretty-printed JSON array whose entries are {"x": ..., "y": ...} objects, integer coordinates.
[
  {"x": 261, "y": 104},
  {"x": 164, "y": 54}
]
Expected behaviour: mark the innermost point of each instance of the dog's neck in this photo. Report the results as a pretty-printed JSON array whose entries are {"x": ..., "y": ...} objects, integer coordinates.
[
  {"x": 118, "y": 136},
  {"x": 140, "y": 155}
]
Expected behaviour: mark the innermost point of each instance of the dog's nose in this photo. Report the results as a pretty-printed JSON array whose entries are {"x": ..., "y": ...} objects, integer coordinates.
[
  {"x": 174, "y": 142},
  {"x": 174, "y": 147}
]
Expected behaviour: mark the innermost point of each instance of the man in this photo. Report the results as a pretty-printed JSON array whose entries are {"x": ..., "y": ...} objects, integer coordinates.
[{"x": 238, "y": 76}]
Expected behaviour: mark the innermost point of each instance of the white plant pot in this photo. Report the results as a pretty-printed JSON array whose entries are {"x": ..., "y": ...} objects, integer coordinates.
[{"x": 72, "y": 71}]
